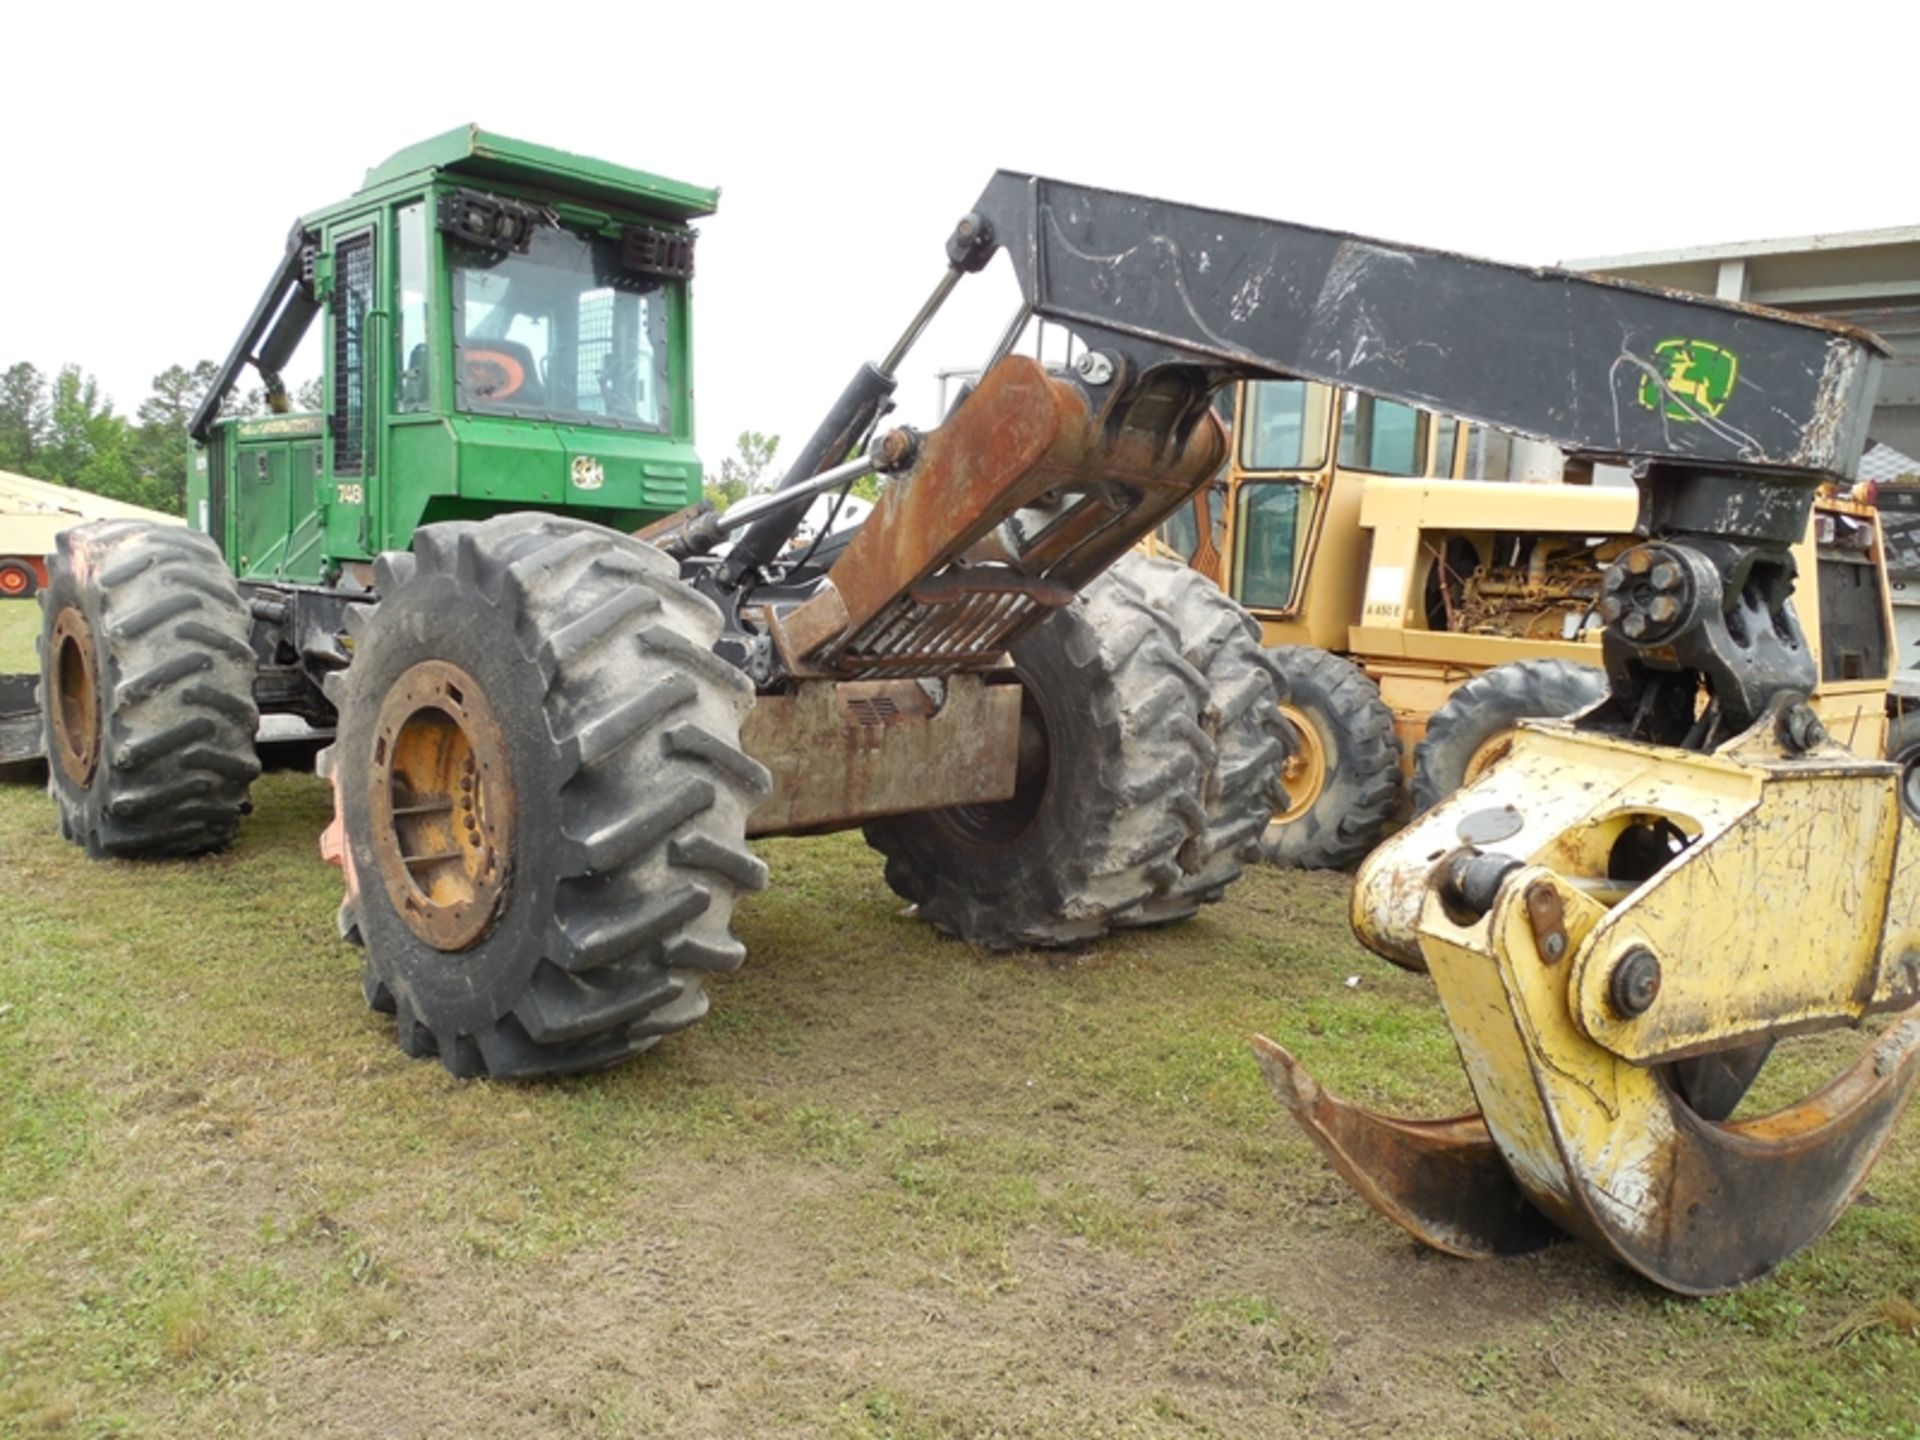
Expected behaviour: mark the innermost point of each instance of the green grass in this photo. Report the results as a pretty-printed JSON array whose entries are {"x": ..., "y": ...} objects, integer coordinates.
[
  {"x": 19, "y": 627},
  {"x": 891, "y": 1188}
]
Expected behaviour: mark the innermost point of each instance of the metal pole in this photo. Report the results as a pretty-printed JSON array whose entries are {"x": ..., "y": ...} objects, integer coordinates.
[{"x": 749, "y": 510}]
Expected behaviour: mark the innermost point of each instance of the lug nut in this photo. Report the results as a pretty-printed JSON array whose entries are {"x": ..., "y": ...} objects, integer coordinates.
[
  {"x": 1610, "y": 609},
  {"x": 1666, "y": 576},
  {"x": 1663, "y": 609},
  {"x": 1613, "y": 580},
  {"x": 1639, "y": 561},
  {"x": 1635, "y": 625},
  {"x": 1634, "y": 983}
]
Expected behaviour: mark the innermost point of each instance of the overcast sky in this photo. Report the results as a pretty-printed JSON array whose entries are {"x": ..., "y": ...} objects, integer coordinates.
[{"x": 155, "y": 157}]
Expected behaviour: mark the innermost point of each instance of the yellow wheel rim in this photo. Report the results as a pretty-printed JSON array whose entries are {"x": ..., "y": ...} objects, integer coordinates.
[
  {"x": 1305, "y": 773},
  {"x": 73, "y": 676},
  {"x": 442, "y": 805}
]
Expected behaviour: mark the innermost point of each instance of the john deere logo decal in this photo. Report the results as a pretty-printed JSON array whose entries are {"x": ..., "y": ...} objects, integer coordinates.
[
  {"x": 588, "y": 473},
  {"x": 1699, "y": 379}
]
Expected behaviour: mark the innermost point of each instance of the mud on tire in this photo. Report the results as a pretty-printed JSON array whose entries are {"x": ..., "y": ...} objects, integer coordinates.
[
  {"x": 1464, "y": 733},
  {"x": 1354, "y": 775},
  {"x": 146, "y": 688},
  {"x": 1114, "y": 764},
  {"x": 610, "y": 771},
  {"x": 1240, "y": 715}
]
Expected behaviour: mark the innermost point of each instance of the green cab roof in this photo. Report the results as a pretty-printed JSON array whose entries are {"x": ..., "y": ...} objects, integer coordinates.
[{"x": 482, "y": 155}]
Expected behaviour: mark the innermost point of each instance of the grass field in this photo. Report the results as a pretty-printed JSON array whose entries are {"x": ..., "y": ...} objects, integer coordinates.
[{"x": 892, "y": 1187}]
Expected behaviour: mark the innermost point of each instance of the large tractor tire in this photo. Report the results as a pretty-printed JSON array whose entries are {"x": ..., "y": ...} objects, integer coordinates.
[
  {"x": 1242, "y": 716},
  {"x": 1475, "y": 727},
  {"x": 1113, "y": 766},
  {"x": 540, "y": 796},
  {"x": 146, "y": 686},
  {"x": 1344, "y": 789}
]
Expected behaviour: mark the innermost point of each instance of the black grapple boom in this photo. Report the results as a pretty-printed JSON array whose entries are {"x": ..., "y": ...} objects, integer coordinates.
[{"x": 1729, "y": 414}]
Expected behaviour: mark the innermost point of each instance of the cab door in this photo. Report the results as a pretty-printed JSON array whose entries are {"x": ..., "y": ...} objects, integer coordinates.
[{"x": 352, "y": 384}]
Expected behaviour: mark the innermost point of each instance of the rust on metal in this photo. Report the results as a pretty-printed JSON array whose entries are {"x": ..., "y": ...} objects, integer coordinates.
[
  {"x": 1547, "y": 915},
  {"x": 74, "y": 706},
  {"x": 1442, "y": 1181},
  {"x": 843, "y": 752},
  {"x": 441, "y": 803},
  {"x": 802, "y": 631},
  {"x": 1023, "y": 484},
  {"x": 1734, "y": 1200},
  {"x": 658, "y": 530}
]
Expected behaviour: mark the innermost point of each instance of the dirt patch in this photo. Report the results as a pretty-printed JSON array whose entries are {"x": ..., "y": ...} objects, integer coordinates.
[{"x": 892, "y": 1187}]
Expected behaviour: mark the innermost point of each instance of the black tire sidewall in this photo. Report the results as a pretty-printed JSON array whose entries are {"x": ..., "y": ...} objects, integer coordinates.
[
  {"x": 1034, "y": 872},
  {"x": 1903, "y": 749},
  {"x": 1491, "y": 704},
  {"x": 437, "y": 618},
  {"x": 1350, "y": 815}
]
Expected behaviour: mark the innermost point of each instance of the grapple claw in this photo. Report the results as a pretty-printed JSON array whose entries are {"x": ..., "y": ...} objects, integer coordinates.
[
  {"x": 1442, "y": 1181},
  {"x": 1616, "y": 989},
  {"x": 1736, "y": 1199}
]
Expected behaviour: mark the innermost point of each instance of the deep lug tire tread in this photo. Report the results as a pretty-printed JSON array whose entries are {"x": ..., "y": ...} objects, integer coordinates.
[
  {"x": 1241, "y": 721},
  {"x": 1493, "y": 701},
  {"x": 175, "y": 675},
  {"x": 1128, "y": 801},
  {"x": 642, "y": 797},
  {"x": 1364, "y": 787}
]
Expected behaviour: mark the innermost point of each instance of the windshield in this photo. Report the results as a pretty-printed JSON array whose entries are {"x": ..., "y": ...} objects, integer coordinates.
[{"x": 561, "y": 332}]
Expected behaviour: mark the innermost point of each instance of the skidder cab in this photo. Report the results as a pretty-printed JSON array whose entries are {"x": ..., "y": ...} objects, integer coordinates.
[{"x": 502, "y": 326}]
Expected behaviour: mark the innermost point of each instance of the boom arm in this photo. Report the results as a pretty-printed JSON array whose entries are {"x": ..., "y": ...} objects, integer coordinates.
[
  {"x": 1553, "y": 354},
  {"x": 273, "y": 332},
  {"x": 1729, "y": 415}
]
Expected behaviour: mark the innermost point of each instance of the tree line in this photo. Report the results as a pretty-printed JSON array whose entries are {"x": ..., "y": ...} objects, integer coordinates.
[{"x": 63, "y": 427}]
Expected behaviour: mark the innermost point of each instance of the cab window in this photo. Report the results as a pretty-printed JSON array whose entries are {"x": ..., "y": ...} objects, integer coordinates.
[
  {"x": 1270, "y": 537},
  {"x": 1379, "y": 436},
  {"x": 1285, "y": 426},
  {"x": 410, "y": 329},
  {"x": 562, "y": 332}
]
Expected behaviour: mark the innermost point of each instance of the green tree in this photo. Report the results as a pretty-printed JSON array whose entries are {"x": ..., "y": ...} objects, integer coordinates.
[
  {"x": 89, "y": 447},
  {"x": 161, "y": 442},
  {"x": 745, "y": 471},
  {"x": 23, "y": 416}
]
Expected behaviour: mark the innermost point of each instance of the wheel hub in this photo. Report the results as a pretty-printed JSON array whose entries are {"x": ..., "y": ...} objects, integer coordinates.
[
  {"x": 1304, "y": 775},
  {"x": 441, "y": 802},
  {"x": 74, "y": 706}
]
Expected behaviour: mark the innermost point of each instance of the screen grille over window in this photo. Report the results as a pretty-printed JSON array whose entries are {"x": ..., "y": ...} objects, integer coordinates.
[
  {"x": 353, "y": 298},
  {"x": 595, "y": 350}
]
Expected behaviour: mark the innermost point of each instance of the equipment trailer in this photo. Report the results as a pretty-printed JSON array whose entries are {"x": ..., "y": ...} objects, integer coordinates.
[{"x": 554, "y": 739}]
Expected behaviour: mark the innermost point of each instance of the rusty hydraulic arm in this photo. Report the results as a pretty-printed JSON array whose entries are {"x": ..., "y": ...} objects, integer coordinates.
[{"x": 1038, "y": 481}]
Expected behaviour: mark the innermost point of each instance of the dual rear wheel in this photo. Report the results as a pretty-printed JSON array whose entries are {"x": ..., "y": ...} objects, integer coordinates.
[{"x": 1150, "y": 756}]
